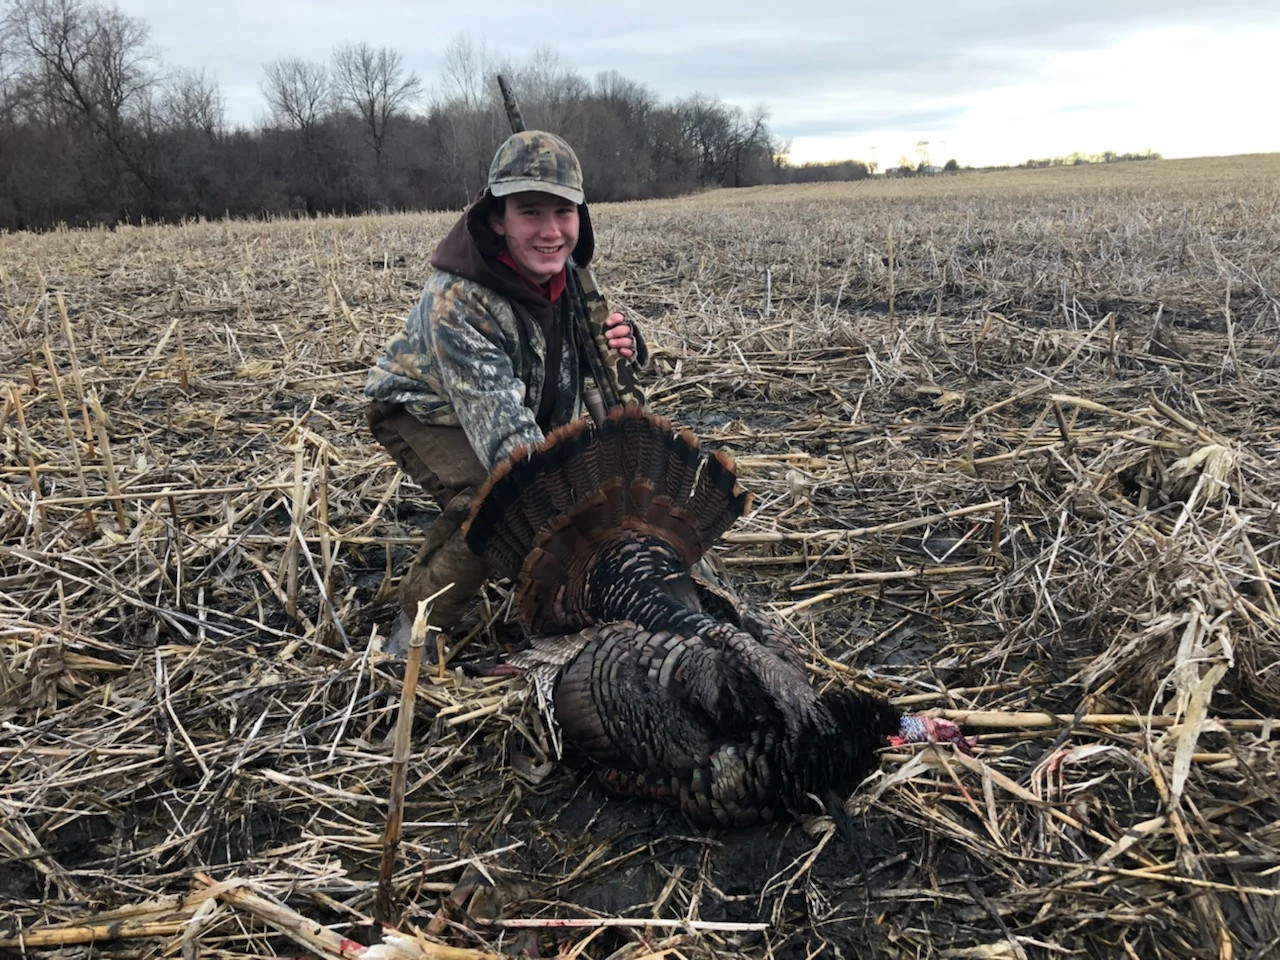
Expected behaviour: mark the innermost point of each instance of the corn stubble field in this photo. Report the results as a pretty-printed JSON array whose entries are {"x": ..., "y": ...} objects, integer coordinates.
[{"x": 1014, "y": 440}]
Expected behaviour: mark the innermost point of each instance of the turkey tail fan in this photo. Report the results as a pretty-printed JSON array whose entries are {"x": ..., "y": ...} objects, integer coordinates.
[
  {"x": 546, "y": 572},
  {"x": 684, "y": 454},
  {"x": 634, "y": 436},
  {"x": 609, "y": 444},
  {"x": 497, "y": 522},
  {"x": 636, "y": 473},
  {"x": 526, "y": 492},
  {"x": 557, "y": 564},
  {"x": 642, "y": 444},
  {"x": 527, "y": 500},
  {"x": 717, "y": 500},
  {"x": 574, "y": 452}
]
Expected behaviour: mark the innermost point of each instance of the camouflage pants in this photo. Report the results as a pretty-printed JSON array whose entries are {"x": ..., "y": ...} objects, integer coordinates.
[{"x": 441, "y": 461}]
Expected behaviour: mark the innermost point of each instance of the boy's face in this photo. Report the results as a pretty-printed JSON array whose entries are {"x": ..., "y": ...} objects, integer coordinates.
[{"x": 541, "y": 231}]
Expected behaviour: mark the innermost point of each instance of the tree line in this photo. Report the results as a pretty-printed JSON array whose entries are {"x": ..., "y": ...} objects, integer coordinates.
[
  {"x": 1077, "y": 159},
  {"x": 96, "y": 129}
]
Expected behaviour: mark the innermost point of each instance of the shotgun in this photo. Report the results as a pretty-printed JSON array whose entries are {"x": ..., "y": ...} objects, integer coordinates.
[{"x": 614, "y": 375}]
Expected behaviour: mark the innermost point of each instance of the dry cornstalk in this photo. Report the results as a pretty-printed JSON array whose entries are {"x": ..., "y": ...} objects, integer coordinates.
[
  {"x": 72, "y": 441},
  {"x": 294, "y": 549},
  {"x": 40, "y": 519},
  {"x": 303, "y": 931},
  {"x": 108, "y": 462},
  {"x": 92, "y": 933},
  {"x": 173, "y": 325},
  {"x": 400, "y": 757},
  {"x": 1023, "y": 720},
  {"x": 638, "y": 923},
  {"x": 149, "y": 491},
  {"x": 835, "y": 536},
  {"x": 153, "y": 918},
  {"x": 77, "y": 378}
]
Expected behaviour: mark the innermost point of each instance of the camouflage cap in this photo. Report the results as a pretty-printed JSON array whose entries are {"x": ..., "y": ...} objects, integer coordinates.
[{"x": 539, "y": 161}]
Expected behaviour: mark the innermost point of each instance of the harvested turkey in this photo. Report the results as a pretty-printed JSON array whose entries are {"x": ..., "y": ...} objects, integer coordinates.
[{"x": 674, "y": 688}]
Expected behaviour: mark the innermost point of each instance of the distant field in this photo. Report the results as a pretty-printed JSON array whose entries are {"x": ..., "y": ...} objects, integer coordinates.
[{"x": 1015, "y": 440}]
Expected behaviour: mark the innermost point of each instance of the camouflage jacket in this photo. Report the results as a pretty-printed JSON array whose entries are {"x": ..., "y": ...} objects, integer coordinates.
[{"x": 473, "y": 351}]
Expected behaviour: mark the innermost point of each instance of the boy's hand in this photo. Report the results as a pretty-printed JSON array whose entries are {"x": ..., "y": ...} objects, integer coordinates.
[{"x": 617, "y": 333}]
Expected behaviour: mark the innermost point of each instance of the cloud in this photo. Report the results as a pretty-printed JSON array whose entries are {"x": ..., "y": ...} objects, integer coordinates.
[
  {"x": 822, "y": 69},
  {"x": 853, "y": 124}
]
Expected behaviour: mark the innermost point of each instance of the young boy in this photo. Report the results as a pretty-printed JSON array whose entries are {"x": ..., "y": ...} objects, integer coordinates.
[{"x": 488, "y": 360}]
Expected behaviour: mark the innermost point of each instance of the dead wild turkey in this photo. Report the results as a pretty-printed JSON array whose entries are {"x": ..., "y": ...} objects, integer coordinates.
[{"x": 675, "y": 690}]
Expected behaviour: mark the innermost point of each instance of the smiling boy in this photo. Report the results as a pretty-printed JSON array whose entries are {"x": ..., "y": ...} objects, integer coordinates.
[{"x": 488, "y": 360}]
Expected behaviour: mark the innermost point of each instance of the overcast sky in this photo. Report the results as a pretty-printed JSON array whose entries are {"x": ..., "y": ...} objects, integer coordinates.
[{"x": 983, "y": 81}]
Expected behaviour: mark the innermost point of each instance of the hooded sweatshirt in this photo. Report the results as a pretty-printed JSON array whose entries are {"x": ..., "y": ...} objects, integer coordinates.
[{"x": 476, "y": 349}]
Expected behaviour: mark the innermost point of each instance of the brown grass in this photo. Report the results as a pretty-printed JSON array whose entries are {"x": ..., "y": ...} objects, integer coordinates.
[{"x": 1014, "y": 442}]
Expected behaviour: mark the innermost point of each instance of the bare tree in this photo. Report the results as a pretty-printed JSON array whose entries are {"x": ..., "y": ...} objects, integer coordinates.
[
  {"x": 705, "y": 133},
  {"x": 466, "y": 73},
  {"x": 551, "y": 93},
  {"x": 297, "y": 92},
  {"x": 8, "y": 129},
  {"x": 8, "y": 60},
  {"x": 616, "y": 137},
  {"x": 465, "y": 117},
  {"x": 632, "y": 101},
  {"x": 11, "y": 80},
  {"x": 193, "y": 101},
  {"x": 92, "y": 61},
  {"x": 374, "y": 84},
  {"x": 750, "y": 146}
]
